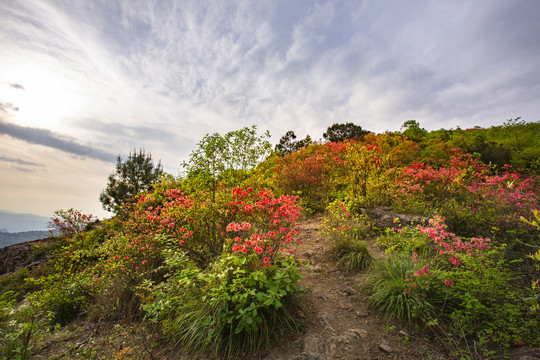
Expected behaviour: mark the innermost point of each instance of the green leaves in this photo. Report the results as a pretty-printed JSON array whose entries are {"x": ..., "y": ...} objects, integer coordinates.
[
  {"x": 235, "y": 308},
  {"x": 134, "y": 175},
  {"x": 341, "y": 132},
  {"x": 226, "y": 158},
  {"x": 287, "y": 145}
]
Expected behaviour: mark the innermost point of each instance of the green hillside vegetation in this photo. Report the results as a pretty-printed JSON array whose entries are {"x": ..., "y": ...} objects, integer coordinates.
[
  {"x": 205, "y": 261},
  {"x": 515, "y": 142}
]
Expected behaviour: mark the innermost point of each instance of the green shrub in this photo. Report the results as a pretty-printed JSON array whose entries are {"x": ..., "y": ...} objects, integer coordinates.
[
  {"x": 405, "y": 239},
  {"x": 63, "y": 297},
  {"x": 14, "y": 282},
  {"x": 21, "y": 328},
  {"x": 462, "y": 289},
  {"x": 231, "y": 309},
  {"x": 485, "y": 305},
  {"x": 393, "y": 292}
]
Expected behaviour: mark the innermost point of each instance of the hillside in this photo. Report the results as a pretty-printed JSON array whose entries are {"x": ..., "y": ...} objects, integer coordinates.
[{"x": 395, "y": 245}]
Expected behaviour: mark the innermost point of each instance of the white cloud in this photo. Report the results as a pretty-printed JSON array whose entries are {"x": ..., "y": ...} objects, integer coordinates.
[{"x": 160, "y": 75}]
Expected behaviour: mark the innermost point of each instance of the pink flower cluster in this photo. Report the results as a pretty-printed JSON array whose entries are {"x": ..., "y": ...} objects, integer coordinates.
[
  {"x": 423, "y": 271},
  {"x": 238, "y": 227},
  {"x": 264, "y": 223},
  {"x": 70, "y": 221},
  {"x": 449, "y": 243},
  {"x": 416, "y": 276}
]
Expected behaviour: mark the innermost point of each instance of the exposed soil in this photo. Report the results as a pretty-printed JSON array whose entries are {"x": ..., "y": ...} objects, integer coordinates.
[{"x": 339, "y": 323}]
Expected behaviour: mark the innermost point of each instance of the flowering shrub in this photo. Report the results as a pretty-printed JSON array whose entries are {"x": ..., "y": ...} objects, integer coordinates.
[
  {"x": 462, "y": 287},
  {"x": 205, "y": 229},
  {"x": 448, "y": 243},
  {"x": 472, "y": 199},
  {"x": 499, "y": 201},
  {"x": 70, "y": 221},
  {"x": 369, "y": 166},
  {"x": 421, "y": 186},
  {"x": 101, "y": 271},
  {"x": 315, "y": 172}
]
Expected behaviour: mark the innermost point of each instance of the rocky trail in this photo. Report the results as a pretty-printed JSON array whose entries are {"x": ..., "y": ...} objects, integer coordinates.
[{"x": 340, "y": 325}]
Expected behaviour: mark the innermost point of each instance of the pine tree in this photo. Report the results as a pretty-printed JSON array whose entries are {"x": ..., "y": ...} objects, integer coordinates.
[
  {"x": 135, "y": 175},
  {"x": 287, "y": 144}
]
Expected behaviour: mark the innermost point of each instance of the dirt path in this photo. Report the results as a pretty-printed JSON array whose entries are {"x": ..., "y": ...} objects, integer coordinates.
[{"x": 339, "y": 323}]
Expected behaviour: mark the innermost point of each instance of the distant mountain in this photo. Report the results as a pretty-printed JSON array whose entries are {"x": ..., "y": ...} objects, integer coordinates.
[
  {"x": 7, "y": 239},
  {"x": 15, "y": 222}
]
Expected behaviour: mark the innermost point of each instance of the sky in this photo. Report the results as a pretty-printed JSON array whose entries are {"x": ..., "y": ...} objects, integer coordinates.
[{"x": 82, "y": 82}]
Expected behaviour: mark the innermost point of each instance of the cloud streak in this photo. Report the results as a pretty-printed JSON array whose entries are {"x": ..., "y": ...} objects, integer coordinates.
[
  {"x": 19, "y": 161},
  {"x": 209, "y": 66},
  {"x": 5, "y": 107},
  {"x": 17, "y": 86},
  {"x": 50, "y": 139}
]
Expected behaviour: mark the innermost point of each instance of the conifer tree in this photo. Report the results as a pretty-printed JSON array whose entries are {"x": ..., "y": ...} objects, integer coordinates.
[
  {"x": 288, "y": 145},
  {"x": 135, "y": 175}
]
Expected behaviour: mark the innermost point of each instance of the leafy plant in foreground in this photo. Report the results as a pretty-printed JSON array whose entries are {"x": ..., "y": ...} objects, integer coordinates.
[
  {"x": 21, "y": 328},
  {"x": 465, "y": 292},
  {"x": 390, "y": 284},
  {"x": 231, "y": 309}
]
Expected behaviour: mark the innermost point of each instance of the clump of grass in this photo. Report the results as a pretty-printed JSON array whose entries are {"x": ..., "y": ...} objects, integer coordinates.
[
  {"x": 389, "y": 290},
  {"x": 345, "y": 232},
  {"x": 352, "y": 256}
]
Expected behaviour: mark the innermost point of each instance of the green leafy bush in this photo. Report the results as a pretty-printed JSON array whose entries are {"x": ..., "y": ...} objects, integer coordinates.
[
  {"x": 21, "y": 328},
  {"x": 63, "y": 297},
  {"x": 463, "y": 289},
  {"x": 406, "y": 239},
  {"x": 225, "y": 159},
  {"x": 229, "y": 310},
  {"x": 484, "y": 305},
  {"x": 15, "y": 282}
]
